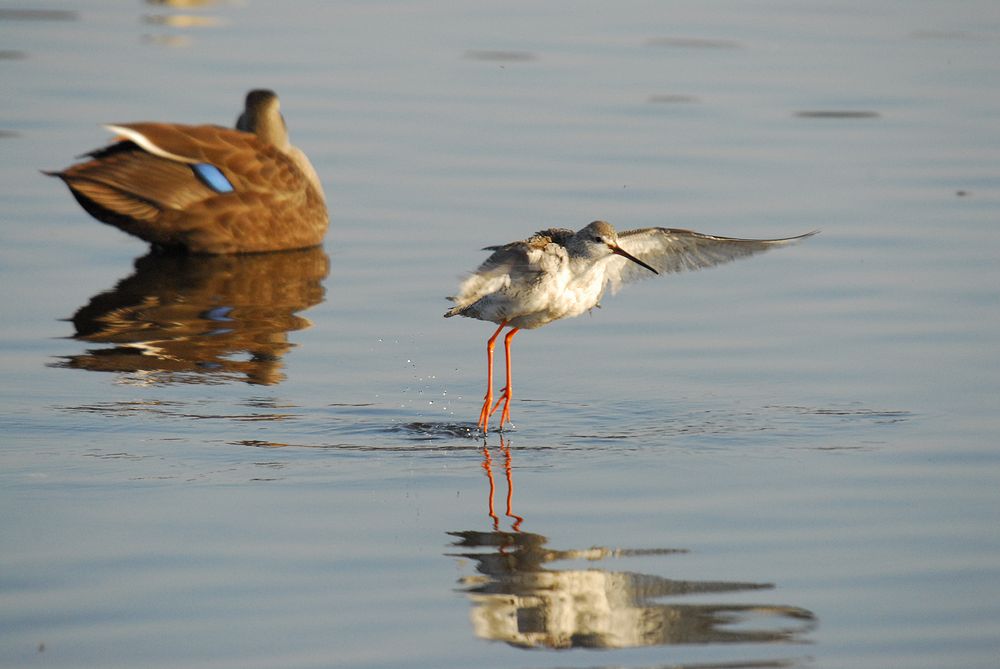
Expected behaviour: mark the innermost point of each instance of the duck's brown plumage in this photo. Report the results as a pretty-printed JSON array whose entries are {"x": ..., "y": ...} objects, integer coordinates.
[{"x": 147, "y": 185}]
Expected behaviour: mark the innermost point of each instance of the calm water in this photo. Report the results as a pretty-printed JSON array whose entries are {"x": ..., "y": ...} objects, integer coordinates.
[{"x": 266, "y": 461}]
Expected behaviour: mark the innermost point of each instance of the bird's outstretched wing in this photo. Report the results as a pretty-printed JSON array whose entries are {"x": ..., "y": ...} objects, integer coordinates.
[{"x": 674, "y": 250}]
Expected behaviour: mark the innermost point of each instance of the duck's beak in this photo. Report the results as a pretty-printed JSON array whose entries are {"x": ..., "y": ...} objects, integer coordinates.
[{"x": 617, "y": 250}]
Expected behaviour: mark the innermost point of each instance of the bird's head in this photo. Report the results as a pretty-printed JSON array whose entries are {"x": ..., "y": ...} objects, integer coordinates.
[
  {"x": 599, "y": 240},
  {"x": 262, "y": 116}
]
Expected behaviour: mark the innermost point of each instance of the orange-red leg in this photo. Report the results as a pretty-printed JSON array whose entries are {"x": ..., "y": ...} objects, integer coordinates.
[
  {"x": 485, "y": 413},
  {"x": 508, "y": 389}
]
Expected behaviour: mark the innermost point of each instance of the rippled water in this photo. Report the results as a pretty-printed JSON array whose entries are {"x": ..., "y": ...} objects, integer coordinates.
[{"x": 270, "y": 460}]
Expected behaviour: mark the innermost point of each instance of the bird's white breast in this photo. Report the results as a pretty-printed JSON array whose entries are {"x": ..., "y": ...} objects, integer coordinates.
[{"x": 567, "y": 289}]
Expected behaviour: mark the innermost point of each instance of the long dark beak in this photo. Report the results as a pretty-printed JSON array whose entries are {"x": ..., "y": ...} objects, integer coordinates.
[{"x": 617, "y": 250}]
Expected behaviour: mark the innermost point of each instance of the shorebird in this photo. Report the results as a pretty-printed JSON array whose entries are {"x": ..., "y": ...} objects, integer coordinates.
[
  {"x": 559, "y": 273},
  {"x": 205, "y": 188}
]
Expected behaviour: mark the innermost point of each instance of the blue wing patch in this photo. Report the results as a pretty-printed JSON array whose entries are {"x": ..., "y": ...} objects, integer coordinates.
[
  {"x": 218, "y": 314},
  {"x": 212, "y": 177}
]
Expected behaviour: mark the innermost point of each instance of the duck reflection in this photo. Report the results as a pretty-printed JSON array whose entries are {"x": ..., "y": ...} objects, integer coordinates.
[
  {"x": 517, "y": 598},
  {"x": 201, "y": 319}
]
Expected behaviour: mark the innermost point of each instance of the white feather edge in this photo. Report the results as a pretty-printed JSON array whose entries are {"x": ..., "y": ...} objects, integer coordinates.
[{"x": 143, "y": 141}]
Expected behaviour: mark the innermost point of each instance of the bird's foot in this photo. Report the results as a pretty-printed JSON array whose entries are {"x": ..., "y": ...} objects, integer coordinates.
[
  {"x": 505, "y": 414},
  {"x": 485, "y": 413}
]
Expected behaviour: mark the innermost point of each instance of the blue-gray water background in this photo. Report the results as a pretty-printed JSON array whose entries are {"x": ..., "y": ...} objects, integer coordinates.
[{"x": 786, "y": 461}]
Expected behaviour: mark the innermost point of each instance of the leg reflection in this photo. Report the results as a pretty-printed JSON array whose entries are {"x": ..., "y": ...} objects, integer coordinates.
[
  {"x": 505, "y": 447},
  {"x": 487, "y": 466}
]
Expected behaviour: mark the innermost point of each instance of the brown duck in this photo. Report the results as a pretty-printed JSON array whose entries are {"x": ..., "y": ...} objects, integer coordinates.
[{"x": 205, "y": 188}]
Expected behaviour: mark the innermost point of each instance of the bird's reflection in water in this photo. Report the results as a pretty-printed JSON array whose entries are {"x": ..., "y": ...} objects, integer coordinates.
[
  {"x": 518, "y": 599},
  {"x": 201, "y": 319}
]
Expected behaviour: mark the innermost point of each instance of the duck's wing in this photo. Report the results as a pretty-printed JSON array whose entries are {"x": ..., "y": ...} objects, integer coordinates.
[
  {"x": 163, "y": 166},
  {"x": 125, "y": 179},
  {"x": 246, "y": 162},
  {"x": 675, "y": 250}
]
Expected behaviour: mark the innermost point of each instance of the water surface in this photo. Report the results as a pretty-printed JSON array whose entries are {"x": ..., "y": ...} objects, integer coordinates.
[{"x": 269, "y": 461}]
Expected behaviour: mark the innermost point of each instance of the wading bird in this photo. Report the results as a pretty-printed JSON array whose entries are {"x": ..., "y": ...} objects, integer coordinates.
[{"x": 559, "y": 273}]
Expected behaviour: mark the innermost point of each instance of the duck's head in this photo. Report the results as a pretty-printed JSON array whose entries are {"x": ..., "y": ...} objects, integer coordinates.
[{"x": 262, "y": 116}]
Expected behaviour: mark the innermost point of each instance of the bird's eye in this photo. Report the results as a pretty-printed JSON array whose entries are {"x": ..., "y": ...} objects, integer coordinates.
[{"x": 597, "y": 239}]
